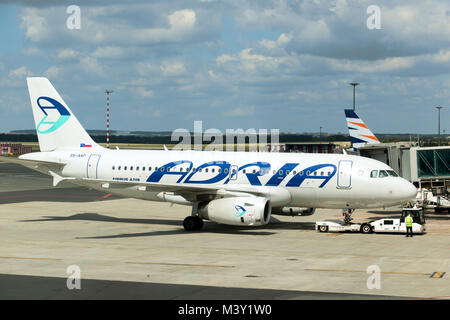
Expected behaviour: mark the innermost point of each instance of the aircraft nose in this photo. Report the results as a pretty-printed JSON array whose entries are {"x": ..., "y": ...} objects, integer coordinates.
[{"x": 407, "y": 190}]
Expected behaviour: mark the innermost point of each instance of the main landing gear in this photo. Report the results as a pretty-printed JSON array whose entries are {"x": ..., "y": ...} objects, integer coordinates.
[
  {"x": 193, "y": 222},
  {"x": 347, "y": 213}
]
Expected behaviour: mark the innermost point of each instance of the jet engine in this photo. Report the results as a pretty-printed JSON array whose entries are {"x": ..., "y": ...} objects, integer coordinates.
[
  {"x": 293, "y": 211},
  {"x": 237, "y": 211}
]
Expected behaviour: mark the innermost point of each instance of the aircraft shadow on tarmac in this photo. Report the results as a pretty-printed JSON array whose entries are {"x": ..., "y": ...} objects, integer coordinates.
[
  {"x": 209, "y": 227},
  {"x": 73, "y": 194}
]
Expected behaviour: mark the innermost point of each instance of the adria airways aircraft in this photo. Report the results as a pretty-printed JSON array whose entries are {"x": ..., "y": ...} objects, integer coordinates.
[{"x": 234, "y": 188}]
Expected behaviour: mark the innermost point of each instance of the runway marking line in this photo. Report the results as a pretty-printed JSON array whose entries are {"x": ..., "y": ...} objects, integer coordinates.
[
  {"x": 437, "y": 275},
  {"x": 30, "y": 258},
  {"x": 361, "y": 271},
  {"x": 182, "y": 264}
]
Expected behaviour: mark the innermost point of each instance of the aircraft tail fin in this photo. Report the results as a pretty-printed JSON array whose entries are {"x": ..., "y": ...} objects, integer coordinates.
[
  {"x": 359, "y": 132},
  {"x": 56, "y": 125}
]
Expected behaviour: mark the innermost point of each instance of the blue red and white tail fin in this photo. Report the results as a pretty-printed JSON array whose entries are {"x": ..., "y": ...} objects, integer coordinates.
[
  {"x": 360, "y": 134},
  {"x": 56, "y": 125}
]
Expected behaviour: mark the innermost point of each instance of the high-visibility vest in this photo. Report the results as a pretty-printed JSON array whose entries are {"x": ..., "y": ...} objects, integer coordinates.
[{"x": 409, "y": 221}]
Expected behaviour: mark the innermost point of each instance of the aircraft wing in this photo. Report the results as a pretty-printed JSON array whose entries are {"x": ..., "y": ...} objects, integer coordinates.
[{"x": 189, "y": 192}]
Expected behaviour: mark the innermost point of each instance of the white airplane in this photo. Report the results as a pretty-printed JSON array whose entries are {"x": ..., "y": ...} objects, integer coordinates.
[
  {"x": 233, "y": 188},
  {"x": 359, "y": 132}
]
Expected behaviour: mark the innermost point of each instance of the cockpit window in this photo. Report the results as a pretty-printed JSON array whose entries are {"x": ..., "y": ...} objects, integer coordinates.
[
  {"x": 383, "y": 174},
  {"x": 392, "y": 173},
  {"x": 373, "y": 173}
]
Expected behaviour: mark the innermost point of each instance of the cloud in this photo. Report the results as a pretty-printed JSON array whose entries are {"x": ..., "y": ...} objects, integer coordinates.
[
  {"x": 20, "y": 73},
  {"x": 385, "y": 65},
  {"x": 237, "y": 57},
  {"x": 172, "y": 69},
  {"x": 109, "y": 52},
  {"x": 145, "y": 93},
  {"x": 67, "y": 54},
  {"x": 91, "y": 65},
  {"x": 35, "y": 24},
  {"x": 240, "y": 111},
  {"x": 52, "y": 72}
]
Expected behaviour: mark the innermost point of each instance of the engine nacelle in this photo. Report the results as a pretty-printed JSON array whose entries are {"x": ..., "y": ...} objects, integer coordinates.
[
  {"x": 293, "y": 211},
  {"x": 237, "y": 211}
]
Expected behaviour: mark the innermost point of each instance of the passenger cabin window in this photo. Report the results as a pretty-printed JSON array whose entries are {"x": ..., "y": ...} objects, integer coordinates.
[
  {"x": 373, "y": 173},
  {"x": 125, "y": 168},
  {"x": 383, "y": 174},
  {"x": 113, "y": 167}
]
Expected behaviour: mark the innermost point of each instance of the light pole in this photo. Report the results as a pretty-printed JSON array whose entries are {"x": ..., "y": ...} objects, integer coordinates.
[
  {"x": 439, "y": 124},
  {"x": 354, "y": 84},
  {"x": 107, "y": 117}
]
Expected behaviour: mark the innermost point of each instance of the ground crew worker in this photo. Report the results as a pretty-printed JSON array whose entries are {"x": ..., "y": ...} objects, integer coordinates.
[{"x": 409, "y": 222}]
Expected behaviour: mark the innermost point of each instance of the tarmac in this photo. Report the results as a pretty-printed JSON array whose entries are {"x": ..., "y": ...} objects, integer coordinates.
[{"x": 135, "y": 249}]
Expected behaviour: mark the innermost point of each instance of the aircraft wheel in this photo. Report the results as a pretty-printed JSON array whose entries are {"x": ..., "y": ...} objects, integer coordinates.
[
  {"x": 190, "y": 223},
  {"x": 199, "y": 223},
  {"x": 366, "y": 228},
  {"x": 323, "y": 228}
]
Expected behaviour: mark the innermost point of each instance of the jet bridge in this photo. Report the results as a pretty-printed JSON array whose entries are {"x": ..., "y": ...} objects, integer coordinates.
[{"x": 424, "y": 166}]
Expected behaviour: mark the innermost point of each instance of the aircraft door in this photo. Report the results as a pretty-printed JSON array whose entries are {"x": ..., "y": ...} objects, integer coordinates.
[
  {"x": 92, "y": 166},
  {"x": 344, "y": 180},
  {"x": 233, "y": 172}
]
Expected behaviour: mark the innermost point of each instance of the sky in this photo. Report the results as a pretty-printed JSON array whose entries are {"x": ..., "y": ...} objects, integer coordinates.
[{"x": 244, "y": 64}]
